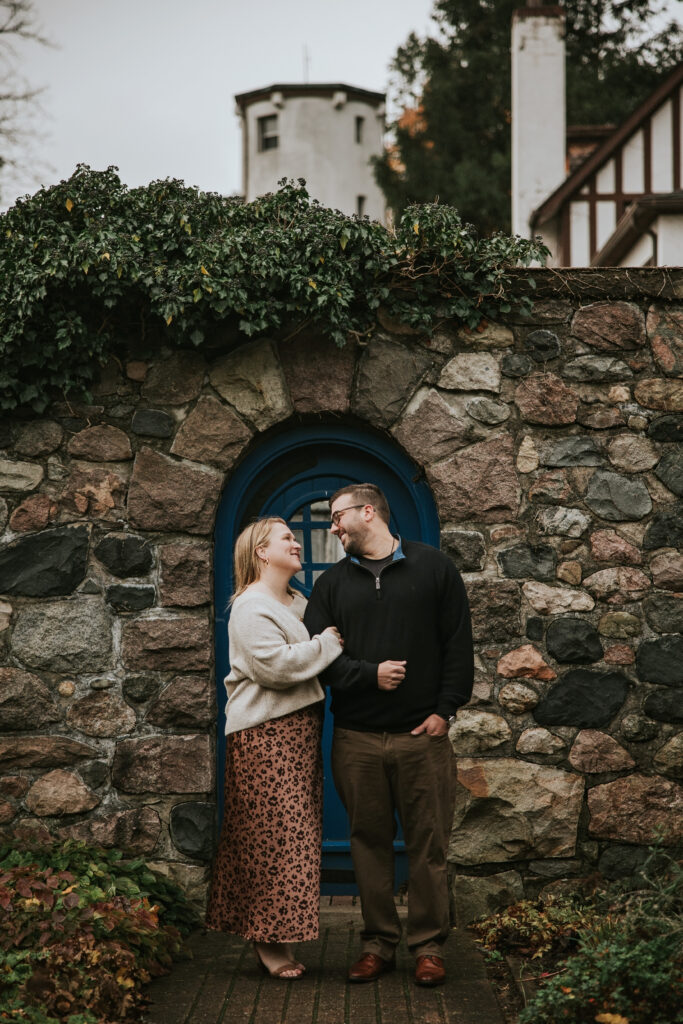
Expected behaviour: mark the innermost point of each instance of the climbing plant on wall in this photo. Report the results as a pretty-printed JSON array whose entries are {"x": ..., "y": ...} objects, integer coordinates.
[{"x": 88, "y": 262}]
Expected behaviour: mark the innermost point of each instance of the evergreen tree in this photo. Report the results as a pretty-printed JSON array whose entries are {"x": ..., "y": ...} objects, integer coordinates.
[{"x": 452, "y": 141}]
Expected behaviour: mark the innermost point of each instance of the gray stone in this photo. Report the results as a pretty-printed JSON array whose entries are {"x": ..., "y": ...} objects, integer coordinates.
[
  {"x": 666, "y": 428},
  {"x": 4, "y": 514},
  {"x": 186, "y": 703},
  {"x": 95, "y": 774},
  {"x": 528, "y": 560},
  {"x": 515, "y": 364},
  {"x": 539, "y": 741},
  {"x": 664, "y": 612},
  {"x": 554, "y": 600},
  {"x": 130, "y": 597},
  {"x": 518, "y": 698},
  {"x": 135, "y": 831},
  {"x": 471, "y": 371},
  {"x": 477, "y": 896},
  {"x": 19, "y": 476},
  {"x": 153, "y": 423},
  {"x": 665, "y": 529},
  {"x": 670, "y": 470},
  {"x": 596, "y": 369},
  {"x": 192, "y": 829},
  {"x": 573, "y": 640},
  {"x": 388, "y": 375},
  {"x": 535, "y": 628},
  {"x": 562, "y": 521},
  {"x": 617, "y": 498},
  {"x": 487, "y": 411},
  {"x": 64, "y": 636},
  {"x": 620, "y": 861},
  {"x": 637, "y": 728},
  {"x": 664, "y": 706},
  {"x": 619, "y": 625},
  {"x": 212, "y": 434},
  {"x": 176, "y": 380},
  {"x": 180, "y": 644},
  {"x": 45, "y": 564},
  {"x": 574, "y": 451},
  {"x": 542, "y": 346},
  {"x": 466, "y": 548},
  {"x": 661, "y": 661},
  {"x": 25, "y": 702},
  {"x": 514, "y": 810},
  {"x": 475, "y": 732},
  {"x": 434, "y": 426},
  {"x": 125, "y": 554},
  {"x": 583, "y": 698},
  {"x": 251, "y": 380}
]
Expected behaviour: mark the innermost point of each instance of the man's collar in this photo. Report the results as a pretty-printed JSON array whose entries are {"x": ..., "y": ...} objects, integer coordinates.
[{"x": 397, "y": 555}]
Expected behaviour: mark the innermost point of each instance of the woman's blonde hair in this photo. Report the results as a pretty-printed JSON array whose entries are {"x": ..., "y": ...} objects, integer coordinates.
[{"x": 247, "y": 564}]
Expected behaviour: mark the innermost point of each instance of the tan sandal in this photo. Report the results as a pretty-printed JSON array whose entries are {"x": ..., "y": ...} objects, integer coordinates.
[{"x": 278, "y": 972}]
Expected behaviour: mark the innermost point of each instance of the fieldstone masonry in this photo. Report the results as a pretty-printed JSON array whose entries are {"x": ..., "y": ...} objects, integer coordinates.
[{"x": 551, "y": 444}]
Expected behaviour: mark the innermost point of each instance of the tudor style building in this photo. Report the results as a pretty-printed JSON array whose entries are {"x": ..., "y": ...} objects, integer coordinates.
[{"x": 622, "y": 205}]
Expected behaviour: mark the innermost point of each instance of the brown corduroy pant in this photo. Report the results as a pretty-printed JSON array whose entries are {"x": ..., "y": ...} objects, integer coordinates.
[{"x": 376, "y": 773}]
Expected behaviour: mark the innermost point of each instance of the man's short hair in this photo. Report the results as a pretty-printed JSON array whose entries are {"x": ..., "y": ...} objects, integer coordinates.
[{"x": 366, "y": 494}]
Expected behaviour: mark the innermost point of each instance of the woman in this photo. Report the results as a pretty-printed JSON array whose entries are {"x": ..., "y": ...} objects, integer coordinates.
[{"x": 266, "y": 876}]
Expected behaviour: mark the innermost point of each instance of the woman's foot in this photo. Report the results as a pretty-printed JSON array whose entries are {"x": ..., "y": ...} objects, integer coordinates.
[
  {"x": 275, "y": 958},
  {"x": 291, "y": 955}
]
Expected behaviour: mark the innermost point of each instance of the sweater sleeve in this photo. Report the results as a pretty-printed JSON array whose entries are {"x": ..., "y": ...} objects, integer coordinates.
[
  {"x": 273, "y": 661},
  {"x": 455, "y": 628},
  {"x": 345, "y": 673}
]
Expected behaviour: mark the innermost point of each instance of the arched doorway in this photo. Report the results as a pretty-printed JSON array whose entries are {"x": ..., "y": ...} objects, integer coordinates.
[{"x": 292, "y": 475}]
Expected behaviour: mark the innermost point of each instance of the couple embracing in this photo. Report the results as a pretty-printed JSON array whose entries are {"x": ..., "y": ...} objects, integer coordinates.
[{"x": 388, "y": 630}]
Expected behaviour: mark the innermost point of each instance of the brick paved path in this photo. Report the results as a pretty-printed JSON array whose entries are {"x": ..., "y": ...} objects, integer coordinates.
[{"x": 223, "y": 985}]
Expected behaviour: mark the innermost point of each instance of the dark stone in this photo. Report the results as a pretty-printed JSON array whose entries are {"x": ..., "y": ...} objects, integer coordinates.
[
  {"x": 593, "y": 369},
  {"x": 45, "y": 564},
  {"x": 664, "y": 706},
  {"x": 638, "y": 729},
  {"x": 535, "y": 627},
  {"x": 573, "y": 640},
  {"x": 665, "y": 529},
  {"x": 495, "y": 609},
  {"x": 466, "y": 548},
  {"x": 617, "y": 498},
  {"x": 138, "y": 689},
  {"x": 125, "y": 555},
  {"x": 130, "y": 598},
  {"x": 666, "y": 428},
  {"x": 542, "y": 346},
  {"x": 192, "y": 829},
  {"x": 664, "y": 612},
  {"x": 528, "y": 560},
  {"x": 661, "y": 661},
  {"x": 583, "y": 698},
  {"x": 95, "y": 774},
  {"x": 670, "y": 470},
  {"x": 153, "y": 423},
  {"x": 574, "y": 451},
  {"x": 514, "y": 364},
  {"x": 620, "y": 860}
]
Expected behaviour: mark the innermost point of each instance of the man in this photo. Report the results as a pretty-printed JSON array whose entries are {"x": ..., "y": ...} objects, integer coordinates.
[{"x": 407, "y": 666}]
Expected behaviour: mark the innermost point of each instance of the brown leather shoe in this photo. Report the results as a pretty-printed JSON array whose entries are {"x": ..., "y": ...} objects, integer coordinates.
[
  {"x": 429, "y": 970},
  {"x": 369, "y": 967}
]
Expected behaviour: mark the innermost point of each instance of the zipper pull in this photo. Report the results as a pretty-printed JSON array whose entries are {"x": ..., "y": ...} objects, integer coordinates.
[{"x": 377, "y": 589}]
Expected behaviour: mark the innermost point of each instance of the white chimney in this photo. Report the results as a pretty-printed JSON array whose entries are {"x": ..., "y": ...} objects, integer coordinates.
[{"x": 538, "y": 109}]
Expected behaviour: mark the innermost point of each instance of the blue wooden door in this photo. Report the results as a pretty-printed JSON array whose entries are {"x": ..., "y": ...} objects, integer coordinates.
[{"x": 292, "y": 477}]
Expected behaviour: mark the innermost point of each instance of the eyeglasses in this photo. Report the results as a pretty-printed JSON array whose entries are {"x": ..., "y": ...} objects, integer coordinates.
[{"x": 336, "y": 516}]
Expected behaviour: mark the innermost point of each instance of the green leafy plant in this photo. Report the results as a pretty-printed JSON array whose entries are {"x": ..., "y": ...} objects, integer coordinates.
[
  {"x": 542, "y": 929},
  {"x": 81, "y": 931},
  {"x": 87, "y": 263}
]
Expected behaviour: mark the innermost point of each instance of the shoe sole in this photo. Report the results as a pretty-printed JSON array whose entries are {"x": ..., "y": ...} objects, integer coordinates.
[
  {"x": 430, "y": 984},
  {"x": 363, "y": 981}
]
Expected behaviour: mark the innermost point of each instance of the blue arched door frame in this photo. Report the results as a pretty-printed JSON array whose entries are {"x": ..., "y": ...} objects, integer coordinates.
[{"x": 282, "y": 473}]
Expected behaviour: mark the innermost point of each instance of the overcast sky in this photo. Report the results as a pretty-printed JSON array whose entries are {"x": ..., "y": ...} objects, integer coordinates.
[{"x": 148, "y": 85}]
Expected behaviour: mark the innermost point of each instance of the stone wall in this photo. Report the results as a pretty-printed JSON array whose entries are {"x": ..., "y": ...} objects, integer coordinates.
[{"x": 550, "y": 445}]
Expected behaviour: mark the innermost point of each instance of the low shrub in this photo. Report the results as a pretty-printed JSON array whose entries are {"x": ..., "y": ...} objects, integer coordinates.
[{"x": 81, "y": 931}]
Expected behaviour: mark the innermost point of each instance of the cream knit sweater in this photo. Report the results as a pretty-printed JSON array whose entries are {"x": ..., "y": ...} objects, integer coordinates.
[{"x": 273, "y": 661}]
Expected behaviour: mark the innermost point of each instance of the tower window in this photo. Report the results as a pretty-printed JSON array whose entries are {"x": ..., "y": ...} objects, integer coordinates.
[
  {"x": 267, "y": 132},
  {"x": 360, "y": 205},
  {"x": 360, "y": 121}
]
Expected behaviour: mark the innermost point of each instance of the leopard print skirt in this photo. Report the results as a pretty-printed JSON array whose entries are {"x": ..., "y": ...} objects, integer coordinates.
[{"x": 266, "y": 877}]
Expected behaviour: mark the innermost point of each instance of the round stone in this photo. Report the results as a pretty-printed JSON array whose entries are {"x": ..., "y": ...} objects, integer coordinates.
[
  {"x": 664, "y": 706},
  {"x": 517, "y": 698},
  {"x": 665, "y": 529},
  {"x": 632, "y": 454},
  {"x": 661, "y": 661},
  {"x": 515, "y": 364},
  {"x": 485, "y": 410},
  {"x": 573, "y": 640},
  {"x": 617, "y": 498},
  {"x": 669, "y": 759},
  {"x": 670, "y": 470},
  {"x": 542, "y": 346},
  {"x": 583, "y": 698},
  {"x": 619, "y": 625},
  {"x": 539, "y": 741},
  {"x": 638, "y": 728},
  {"x": 666, "y": 428},
  {"x": 125, "y": 555},
  {"x": 153, "y": 423},
  {"x": 527, "y": 560},
  {"x": 130, "y": 598},
  {"x": 139, "y": 689},
  {"x": 192, "y": 829}
]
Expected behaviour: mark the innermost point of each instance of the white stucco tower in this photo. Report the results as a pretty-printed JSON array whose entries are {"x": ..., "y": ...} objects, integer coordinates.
[
  {"x": 326, "y": 134},
  {"x": 538, "y": 109}
]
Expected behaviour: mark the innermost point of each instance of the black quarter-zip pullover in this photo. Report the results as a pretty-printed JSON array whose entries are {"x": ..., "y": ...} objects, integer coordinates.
[{"x": 417, "y": 611}]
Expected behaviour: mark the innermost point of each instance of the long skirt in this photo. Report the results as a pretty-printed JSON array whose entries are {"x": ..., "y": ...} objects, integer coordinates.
[{"x": 266, "y": 878}]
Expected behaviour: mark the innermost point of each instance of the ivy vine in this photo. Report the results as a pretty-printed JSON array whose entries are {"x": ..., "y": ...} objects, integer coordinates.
[{"x": 88, "y": 262}]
